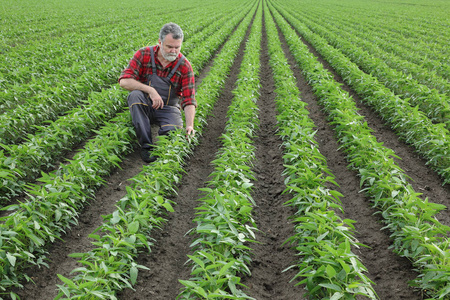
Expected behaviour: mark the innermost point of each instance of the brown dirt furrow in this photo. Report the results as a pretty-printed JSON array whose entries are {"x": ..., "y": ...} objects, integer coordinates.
[{"x": 270, "y": 256}]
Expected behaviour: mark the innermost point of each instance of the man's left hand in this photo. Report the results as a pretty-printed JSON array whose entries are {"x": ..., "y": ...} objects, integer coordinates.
[{"x": 190, "y": 132}]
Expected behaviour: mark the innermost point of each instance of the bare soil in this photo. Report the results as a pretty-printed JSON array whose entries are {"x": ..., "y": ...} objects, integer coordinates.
[{"x": 390, "y": 272}]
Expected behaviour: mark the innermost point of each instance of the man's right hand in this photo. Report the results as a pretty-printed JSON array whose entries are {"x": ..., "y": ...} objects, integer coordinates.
[
  {"x": 132, "y": 84},
  {"x": 157, "y": 101}
]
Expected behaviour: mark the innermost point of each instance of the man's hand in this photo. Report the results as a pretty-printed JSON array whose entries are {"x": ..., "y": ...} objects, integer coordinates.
[
  {"x": 189, "y": 112},
  {"x": 157, "y": 101},
  {"x": 190, "y": 132},
  {"x": 132, "y": 84}
]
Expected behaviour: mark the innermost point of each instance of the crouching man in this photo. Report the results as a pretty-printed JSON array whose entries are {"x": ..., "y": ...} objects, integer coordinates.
[{"x": 161, "y": 83}]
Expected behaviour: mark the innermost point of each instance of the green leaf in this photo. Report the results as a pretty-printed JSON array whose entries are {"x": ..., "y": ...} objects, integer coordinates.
[
  {"x": 64, "y": 289},
  {"x": 11, "y": 259},
  {"x": 133, "y": 274},
  {"x": 116, "y": 218},
  {"x": 241, "y": 237},
  {"x": 76, "y": 255},
  {"x": 225, "y": 268},
  {"x": 320, "y": 237},
  {"x": 337, "y": 296},
  {"x": 102, "y": 295},
  {"x": 168, "y": 207},
  {"x": 94, "y": 236},
  {"x": 67, "y": 281},
  {"x": 247, "y": 185},
  {"x": 345, "y": 266},
  {"x": 197, "y": 261},
  {"x": 331, "y": 272},
  {"x": 205, "y": 228},
  {"x": 331, "y": 286},
  {"x": 201, "y": 291},
  {"x": 133, "y": 227},
  {"x": 188, "y": 283}
]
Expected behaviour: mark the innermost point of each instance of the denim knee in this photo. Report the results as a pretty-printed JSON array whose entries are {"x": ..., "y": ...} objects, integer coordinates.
[{"x": 137, "y": 96}]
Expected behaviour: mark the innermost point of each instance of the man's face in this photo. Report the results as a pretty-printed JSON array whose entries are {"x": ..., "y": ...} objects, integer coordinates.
[{"x": 170, "y": 48}]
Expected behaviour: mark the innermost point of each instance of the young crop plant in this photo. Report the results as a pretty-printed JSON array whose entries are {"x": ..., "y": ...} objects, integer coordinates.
[
  {"x": 224, "y": 222},
  {"x": 416, "y": 233},
  {"x": 145, "y": 204},
  {"x": 328, "y": 267}
]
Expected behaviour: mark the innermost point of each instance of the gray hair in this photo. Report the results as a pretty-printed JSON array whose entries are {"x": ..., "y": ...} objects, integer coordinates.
[{"x": 172, "y": 28}]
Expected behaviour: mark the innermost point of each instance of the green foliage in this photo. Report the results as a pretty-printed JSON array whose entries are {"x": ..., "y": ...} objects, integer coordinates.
[
  {"x": 127, "y": 230},
  {"x": 224, "y": 222},
  {"x": 411, "y": 220},
  {"x": 53, "y": 207},
  {"x": 23, "y": 162},
  {"x": 327, "y": 266}
]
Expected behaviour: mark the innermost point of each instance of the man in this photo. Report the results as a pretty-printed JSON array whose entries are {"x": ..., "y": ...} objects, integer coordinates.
[{"x": 159, "y": 88}]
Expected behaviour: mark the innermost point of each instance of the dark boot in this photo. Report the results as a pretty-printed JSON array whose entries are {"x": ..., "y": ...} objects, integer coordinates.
[{"x": 146, "y": 155}]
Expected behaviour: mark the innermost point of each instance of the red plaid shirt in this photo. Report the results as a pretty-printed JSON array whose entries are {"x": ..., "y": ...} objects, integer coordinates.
[{"x": 183, "y": 80}]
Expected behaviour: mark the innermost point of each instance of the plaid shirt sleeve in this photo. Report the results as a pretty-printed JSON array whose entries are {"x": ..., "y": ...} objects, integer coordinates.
[
  {"x": 136, "y": 66},
  {"x": 187, "y": 85}
]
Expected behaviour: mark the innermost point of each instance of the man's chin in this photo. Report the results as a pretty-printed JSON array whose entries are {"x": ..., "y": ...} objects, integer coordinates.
[{"x": 170, "y": 58}]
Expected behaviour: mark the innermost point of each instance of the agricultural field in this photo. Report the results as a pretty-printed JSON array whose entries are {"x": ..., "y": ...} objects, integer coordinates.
[{"x": 320, "y": 168}]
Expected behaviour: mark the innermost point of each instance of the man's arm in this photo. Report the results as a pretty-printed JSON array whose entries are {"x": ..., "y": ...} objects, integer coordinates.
[
  {"x": 132, "y": 84},
  {"x": 189, "y": 114}
]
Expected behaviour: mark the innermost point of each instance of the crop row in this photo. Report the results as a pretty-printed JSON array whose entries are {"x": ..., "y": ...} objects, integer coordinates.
[
  {"x": 417, "y": 30},
  {"x": 52, "y": 207},
  {"x": 41, "y": 59},
  {"x": 430, "y": 140},
  {"x": 386, "y": 35},
  {"x": 435, "y": 105},
  {"x": 224, "y": 222},
  {"x": 50, "y": 23},
  {"x": 127, "y": 230},
  {"x": 417, "y": 234},
  {"x": 53, "y": 100},
  {"x": 324, "y": 241},
  {"x": 399, "y": 54},
  {"x": 23, "y": 162}
]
